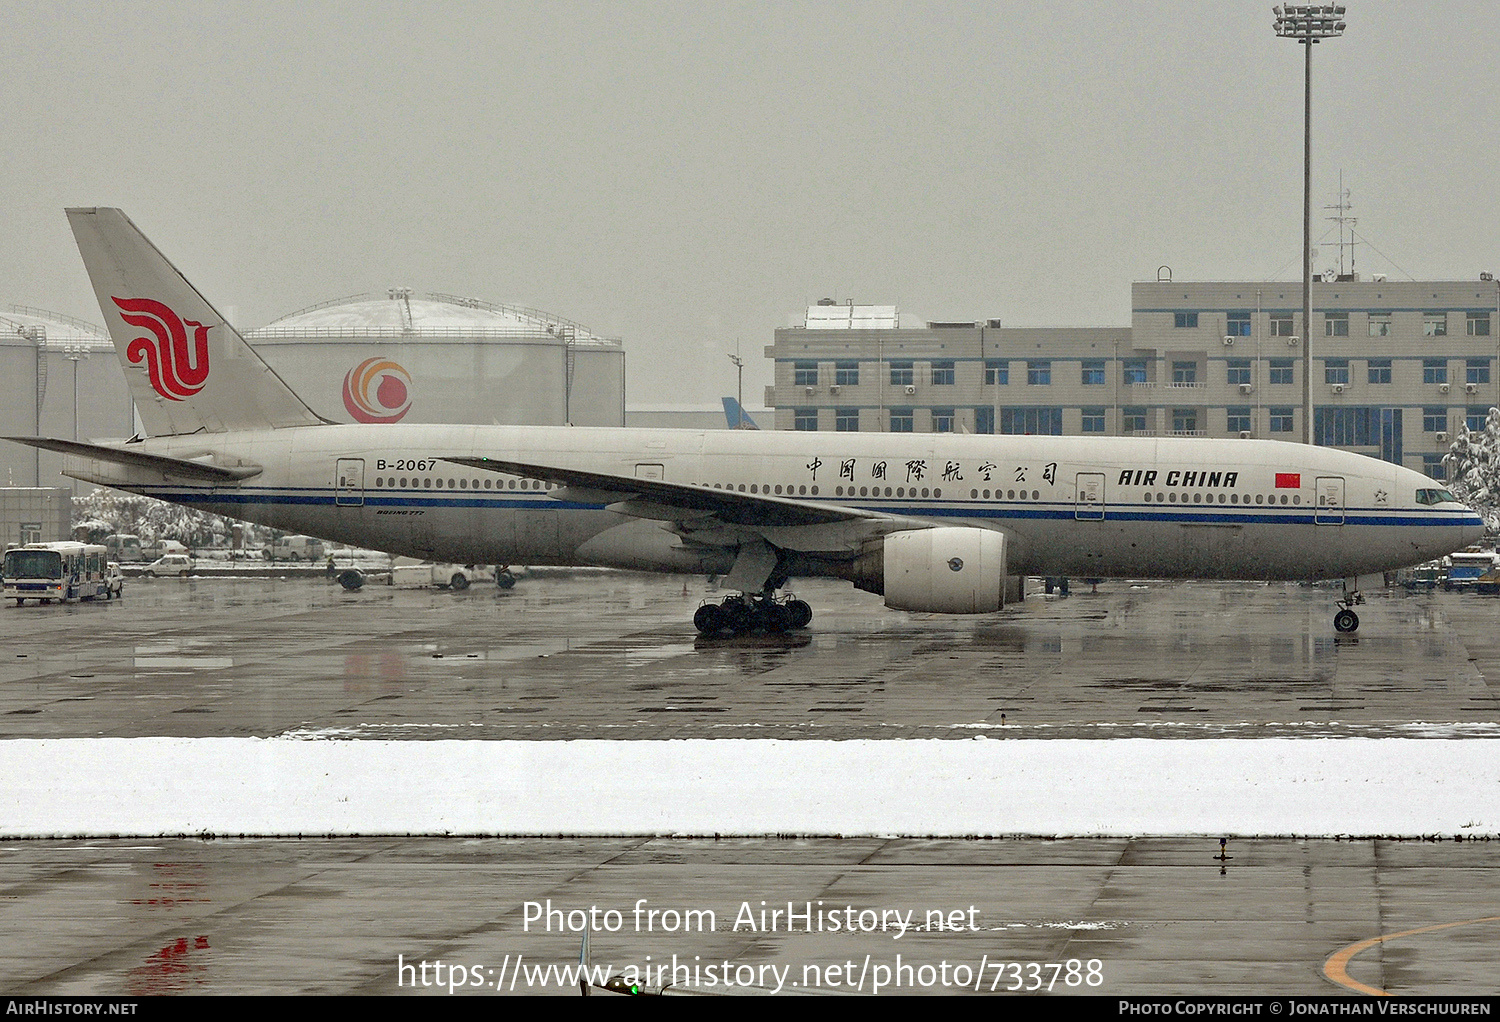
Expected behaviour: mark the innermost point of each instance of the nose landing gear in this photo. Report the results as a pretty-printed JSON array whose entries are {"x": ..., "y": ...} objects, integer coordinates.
[{"x": 1346, "y": 621}]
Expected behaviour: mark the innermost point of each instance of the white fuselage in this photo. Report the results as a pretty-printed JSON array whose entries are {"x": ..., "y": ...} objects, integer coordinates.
[{"x": 1072, "y": 506}]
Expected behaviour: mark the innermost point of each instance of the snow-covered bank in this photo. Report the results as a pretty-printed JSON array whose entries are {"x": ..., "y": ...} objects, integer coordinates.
[{"x": 246, "y": 786}]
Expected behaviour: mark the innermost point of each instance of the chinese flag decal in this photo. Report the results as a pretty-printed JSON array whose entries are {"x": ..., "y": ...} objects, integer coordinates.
[{"x": 1289, "y": 480}]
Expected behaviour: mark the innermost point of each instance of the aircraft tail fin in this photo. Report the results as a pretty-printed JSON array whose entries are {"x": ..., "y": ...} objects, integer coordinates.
[
  {"x": 188, "y": 370},
  {"x": 736, "y": 415}
]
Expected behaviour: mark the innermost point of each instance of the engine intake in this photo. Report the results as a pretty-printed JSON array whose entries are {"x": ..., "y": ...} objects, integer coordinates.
[{"x": 938, "y": 571}]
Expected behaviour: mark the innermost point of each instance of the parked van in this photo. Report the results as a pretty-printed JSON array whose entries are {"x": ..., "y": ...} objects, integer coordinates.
[
  {"x": 124, "y": 547},
  {"x": 295, "y": 548}
]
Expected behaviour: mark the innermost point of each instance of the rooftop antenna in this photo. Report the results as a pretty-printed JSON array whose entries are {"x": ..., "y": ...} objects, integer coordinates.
[{"x": 1344, "y": 220}]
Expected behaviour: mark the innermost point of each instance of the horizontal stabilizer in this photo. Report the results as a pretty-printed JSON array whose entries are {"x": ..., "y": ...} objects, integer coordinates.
[{"x": 176, "y": 468}]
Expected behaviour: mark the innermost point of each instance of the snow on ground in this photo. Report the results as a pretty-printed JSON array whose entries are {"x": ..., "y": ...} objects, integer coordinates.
[{"x": 973, "y": 787}]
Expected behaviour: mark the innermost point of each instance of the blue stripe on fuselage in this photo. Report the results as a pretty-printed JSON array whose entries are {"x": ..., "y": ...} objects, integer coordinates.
[{"x": 1038, "y": 511}]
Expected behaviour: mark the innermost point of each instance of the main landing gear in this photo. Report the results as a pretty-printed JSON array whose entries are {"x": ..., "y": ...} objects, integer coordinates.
[{"x": 744, "y": 612}]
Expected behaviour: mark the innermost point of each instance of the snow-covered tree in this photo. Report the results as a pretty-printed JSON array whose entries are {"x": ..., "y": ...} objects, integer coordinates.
[
  {"x": 153, "y": 519},
  {"x": 1473, "y": 464}
]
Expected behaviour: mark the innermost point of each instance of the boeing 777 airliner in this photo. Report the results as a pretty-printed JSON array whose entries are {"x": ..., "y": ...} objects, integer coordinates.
[{"x": 942, "y": 523}]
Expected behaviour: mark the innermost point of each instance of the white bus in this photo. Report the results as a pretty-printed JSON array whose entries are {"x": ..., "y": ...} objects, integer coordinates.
[{"x": 56, "y": 571}]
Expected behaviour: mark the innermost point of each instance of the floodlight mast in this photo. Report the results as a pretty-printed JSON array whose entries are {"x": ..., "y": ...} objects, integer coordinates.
[
  {"x": 1308, "y": 24},
  {"x": 739, "y": 365}
]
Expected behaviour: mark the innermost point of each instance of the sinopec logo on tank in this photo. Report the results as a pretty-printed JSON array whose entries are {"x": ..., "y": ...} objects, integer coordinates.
[{"x": 377, "y": 390}]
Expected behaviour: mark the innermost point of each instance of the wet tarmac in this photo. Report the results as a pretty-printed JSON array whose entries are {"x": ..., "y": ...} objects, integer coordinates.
[
  {"x": 614, "y": 656},
  {"x": 1116, "y": 917}
]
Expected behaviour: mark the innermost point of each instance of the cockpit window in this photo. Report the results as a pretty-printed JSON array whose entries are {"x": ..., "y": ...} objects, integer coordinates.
[{"x": 1435, "y": 497}]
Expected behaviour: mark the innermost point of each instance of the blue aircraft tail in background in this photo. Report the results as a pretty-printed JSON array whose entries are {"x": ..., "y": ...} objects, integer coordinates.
[{"x": 736, "y": 415}]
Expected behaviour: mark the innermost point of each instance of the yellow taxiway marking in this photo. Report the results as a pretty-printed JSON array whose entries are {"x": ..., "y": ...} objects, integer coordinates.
[{"x": 1335, "y": 967}]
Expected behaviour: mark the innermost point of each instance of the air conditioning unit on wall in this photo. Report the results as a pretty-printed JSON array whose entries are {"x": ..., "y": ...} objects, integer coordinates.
[
  {"x": 1442, "y": 438},
  {"x": 1443, "y": 388},
  {"x": 911, "y": 388},
  {"x": 1337, "y": 388}
]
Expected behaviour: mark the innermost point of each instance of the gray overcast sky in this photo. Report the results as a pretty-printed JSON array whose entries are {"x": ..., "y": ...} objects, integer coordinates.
[{"x": 685, "y": 174}]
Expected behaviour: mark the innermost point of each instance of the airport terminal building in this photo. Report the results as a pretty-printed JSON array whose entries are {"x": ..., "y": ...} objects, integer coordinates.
[{"x": 1398, "y": 368}]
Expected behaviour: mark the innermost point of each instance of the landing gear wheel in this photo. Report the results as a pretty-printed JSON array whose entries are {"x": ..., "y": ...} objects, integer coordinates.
[
  {"x": 778, "y": 617},
  {"x": 351, "y": 579},
  {"x": 708, "y": 620},
  {"x": 801, "y": 613},
  {"x": 459, "y": 582},
  {"x": 1346, "y": 621},
  {"x": 736, "y": 615},
  {"x": 504, "y": 579}
]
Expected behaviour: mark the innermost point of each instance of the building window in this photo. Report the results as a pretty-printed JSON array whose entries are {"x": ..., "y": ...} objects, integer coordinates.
[
  {"x": 1135, "y": 370},
  {"x": 1237, "y": 324},
  {"x": 1093, "y": 420},
  {"x": 942, "y": 374},
  {"x": 1281, "y": 324},
  {"x": 1037, "y": 421},
  {"x": 1477, "y": 370},
  {"x": 1335, "y": 324},
  {"x": 1380, "y": 370},
  {"x": 1237, "y": 372},
  {"x": 1434, "y": 420},
  {"x": 1093, "y": 372},
  {"x": 846, "y": 420},
  {"x": 1237, "y": 419},
  {"x": 901, "y": 420},
  {"x": 942, "y": 420},
  {"x": 1434, "y": 370},
  {"x": 805, "y": 418},
  {"x": 1346, "y": 427},
  {"x": 1283, "y": 370},
  {"x": 1434, "y": 324},
  {"x": 1336, "y": 370},
  {"x": 1133, "y": 419},
  {"x": 984, "y": 419},
  {"x": 1380, "y": 324},
  {"x": 1474, "y": 418},
  {"x": 1478, "y": 323},
  {"x": 1039, "y": 374},
  {"x": 1282, "y": 420},
  {"x": 996, "y": 373},
  {"x": 902, "y": 374},
  {"x": 846, "y": 374},
  {"x": 1184, "y": 372},
  {"x": 1184, "y": 420},
  {"x": 805, "y": 374},
  {"x": 1185, "y": 319},
  {"x": 1433, "y": 467}
]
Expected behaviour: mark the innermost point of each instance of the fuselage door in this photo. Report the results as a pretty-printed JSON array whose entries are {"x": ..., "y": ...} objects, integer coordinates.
[
  {"x": 1330, "y": 510},
  {"x": 1089, "y": 506},
  {"x": 653, "y": 470},
  {"x": 349, "y": 482}
]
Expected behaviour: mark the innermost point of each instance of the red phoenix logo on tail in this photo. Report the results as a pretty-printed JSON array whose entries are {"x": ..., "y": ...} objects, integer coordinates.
[
  {"x": 377, "y": 390},
  {"x": 178, "y": 368}
]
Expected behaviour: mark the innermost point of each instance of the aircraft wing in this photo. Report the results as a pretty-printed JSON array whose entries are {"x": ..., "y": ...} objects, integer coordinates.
[
  {"x": 666, "y": 501},
  {"x": 175, "y": 468}
]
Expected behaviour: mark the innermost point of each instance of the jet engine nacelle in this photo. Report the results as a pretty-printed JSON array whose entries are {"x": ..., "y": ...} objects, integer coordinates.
[{"x": 943, "y": 571}]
